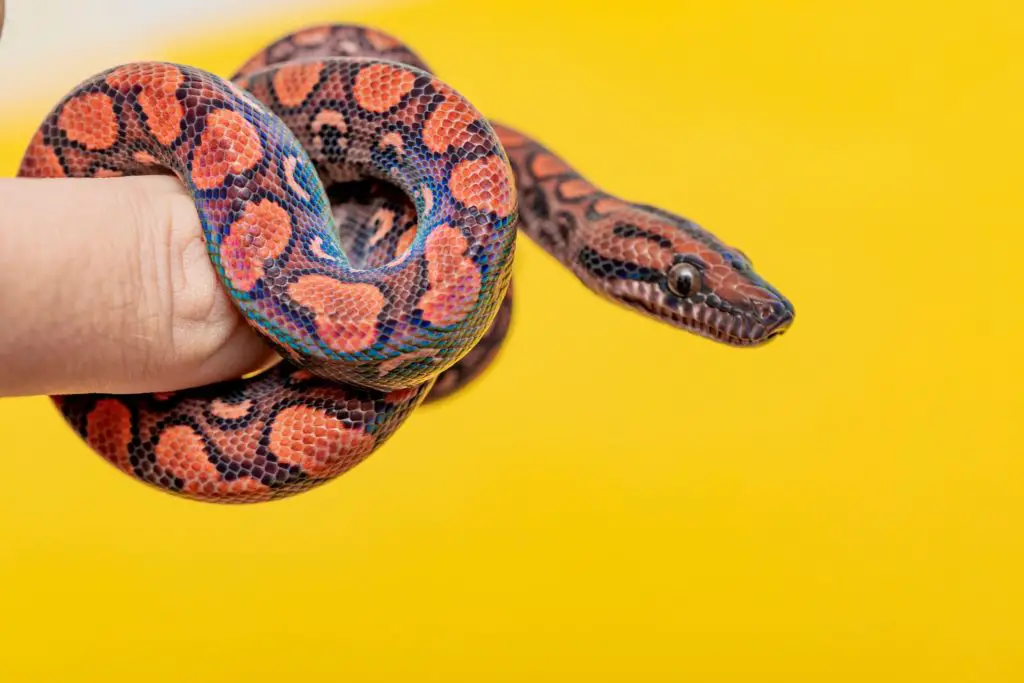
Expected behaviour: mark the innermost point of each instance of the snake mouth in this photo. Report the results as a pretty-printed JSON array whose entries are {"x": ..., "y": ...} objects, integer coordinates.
[{"x": 710, "y": 323}]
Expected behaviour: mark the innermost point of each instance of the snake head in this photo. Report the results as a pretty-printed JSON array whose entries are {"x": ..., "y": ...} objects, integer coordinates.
[{"x": 671, "y": 269}]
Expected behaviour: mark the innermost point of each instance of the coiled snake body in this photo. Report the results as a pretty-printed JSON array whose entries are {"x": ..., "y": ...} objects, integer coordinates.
[{"x": 362, "y": 215}]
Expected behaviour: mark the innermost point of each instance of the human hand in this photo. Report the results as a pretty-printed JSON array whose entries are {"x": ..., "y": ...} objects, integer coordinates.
[{"x": 106, "y": 286}]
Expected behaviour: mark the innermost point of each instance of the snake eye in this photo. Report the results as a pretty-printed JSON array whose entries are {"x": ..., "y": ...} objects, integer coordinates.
[{"x": 684, "y": 279}]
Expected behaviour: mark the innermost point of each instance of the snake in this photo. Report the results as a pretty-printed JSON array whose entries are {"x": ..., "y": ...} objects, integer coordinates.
[{"x": 362, "y": 216}]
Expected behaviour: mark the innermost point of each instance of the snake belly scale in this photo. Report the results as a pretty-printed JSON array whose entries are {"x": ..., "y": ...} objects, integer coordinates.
[{"x": 362, "y": 215}]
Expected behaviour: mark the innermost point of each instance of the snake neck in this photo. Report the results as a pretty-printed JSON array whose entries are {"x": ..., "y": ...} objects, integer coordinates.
[{"x": 558, "y": 207}]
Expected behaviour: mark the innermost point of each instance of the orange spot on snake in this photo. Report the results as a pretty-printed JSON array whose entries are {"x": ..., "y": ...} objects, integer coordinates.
[
  {"x": 311, "y": 37},
  {"x": 607, "y": 205},
  {"x": 448, "y": 125},
  {"x": 230, "y": 144},
  {"x": 108, "y": 430},
  {"x": 403, "y": 245},
  {"x": 181, "y": 452},
  {"x": 345, "y": 313},
  {"x": 89, "y": 120},
  {"x": 576, "y": 188},
  {"x": 385, "y": 219},
  {"x": 294, "y": 82},
  {"x": 260, "y": 233},
  {"x": 289, "y": 173},
  {"x": 107, "y": 173},
  {"x": 145, "y": 158},
  {"x": 301, "y": 375},
  {"x": 157, "y": 98},
  {"x": 392, "y": 139},
  {"x": 40, "y": 160},
  {"x": 454, "y": 280},
  {"x": 319, "y": 443},
  {"x": 230, "y": 411},
  {"x": 484, "y": 184},
  {"x": 547, "y": 165},
  {"x": 379, "y": 87}
]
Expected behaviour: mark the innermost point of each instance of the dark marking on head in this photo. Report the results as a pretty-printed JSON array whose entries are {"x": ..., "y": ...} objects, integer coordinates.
[{"x": 628, "y": 230}]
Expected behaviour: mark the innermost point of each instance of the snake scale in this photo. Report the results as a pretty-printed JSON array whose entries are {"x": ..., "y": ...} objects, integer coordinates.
[{"x": 363, "y": 216}]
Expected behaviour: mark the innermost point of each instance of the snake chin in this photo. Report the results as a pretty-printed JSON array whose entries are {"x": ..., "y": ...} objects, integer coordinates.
[{"x": 734, "y": 328}]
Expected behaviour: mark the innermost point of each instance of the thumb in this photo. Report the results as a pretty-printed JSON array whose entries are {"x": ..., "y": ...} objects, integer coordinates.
[{"x": 106, "y": 286}]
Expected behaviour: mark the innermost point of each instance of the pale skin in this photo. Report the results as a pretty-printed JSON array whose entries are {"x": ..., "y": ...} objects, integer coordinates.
[{"x": 107, "y": 287}]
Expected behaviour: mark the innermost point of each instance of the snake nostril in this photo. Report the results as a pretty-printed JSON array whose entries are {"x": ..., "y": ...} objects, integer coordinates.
[{"x": 776, "y": 316}]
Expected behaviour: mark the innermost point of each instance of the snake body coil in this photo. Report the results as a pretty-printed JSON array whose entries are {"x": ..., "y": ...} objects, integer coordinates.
[{"x": 362, "y": 216}]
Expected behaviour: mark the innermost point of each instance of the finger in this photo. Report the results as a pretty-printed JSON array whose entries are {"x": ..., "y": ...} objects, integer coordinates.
[{"x": 106, "y": 286}]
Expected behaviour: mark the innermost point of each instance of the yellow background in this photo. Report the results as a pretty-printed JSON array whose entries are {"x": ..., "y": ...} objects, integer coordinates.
[{"x": 618, "y": 501}]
